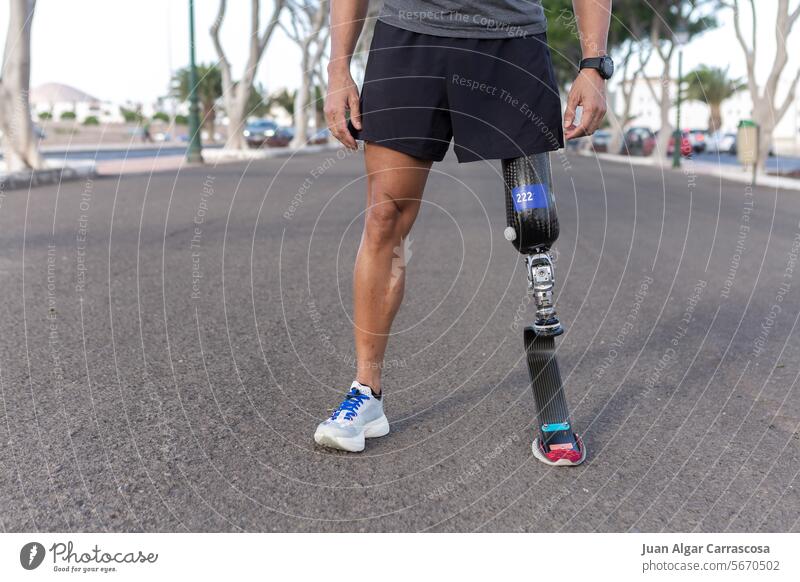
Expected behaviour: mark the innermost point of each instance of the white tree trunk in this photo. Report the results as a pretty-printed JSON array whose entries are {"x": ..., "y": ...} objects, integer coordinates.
[
  {"x": 236, "y": 94},
  {"x": 19, "y": 141},
  {"x": 766, "y": 111},
  {"x": 667, "y": 128},
  {"x": 764, "y": 116},
  {"x": 663, "y": 97},
  {"x": 306, "y": 30},
  {"x": 236, "y": 107},
  {"x": 301, "y": 105},
  {"x": 627, "y": 88}
]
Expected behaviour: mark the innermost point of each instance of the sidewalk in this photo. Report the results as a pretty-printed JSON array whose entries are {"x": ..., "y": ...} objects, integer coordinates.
[
  {"x": 54, "y": 173},
  {"x": 724, "y": 171},
  {"x": 76, "y": 169},
  {"x": 210, "y": 156}
]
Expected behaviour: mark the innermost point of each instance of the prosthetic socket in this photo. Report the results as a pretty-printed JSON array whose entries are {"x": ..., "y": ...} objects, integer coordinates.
[{"x": 532, "y": 229}]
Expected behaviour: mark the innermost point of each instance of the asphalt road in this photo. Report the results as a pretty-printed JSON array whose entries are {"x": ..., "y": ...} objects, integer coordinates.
[{"x": 169, "y": 343}]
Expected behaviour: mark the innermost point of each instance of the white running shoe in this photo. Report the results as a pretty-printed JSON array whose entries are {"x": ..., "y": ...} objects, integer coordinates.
[{"x": 359, "y": 416}]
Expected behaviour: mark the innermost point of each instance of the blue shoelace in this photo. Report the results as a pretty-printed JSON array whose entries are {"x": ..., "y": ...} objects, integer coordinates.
[{"x": 350, "y": 404}]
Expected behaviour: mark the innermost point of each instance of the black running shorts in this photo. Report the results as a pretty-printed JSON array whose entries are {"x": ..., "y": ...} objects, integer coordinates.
[{"x": 497, "y": 97}]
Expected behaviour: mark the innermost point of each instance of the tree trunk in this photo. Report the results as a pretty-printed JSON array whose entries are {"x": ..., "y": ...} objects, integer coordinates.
[
  {"x": 301, "y": 103},
  {"x": 618, "y": 133},
  {"x": 664, "y": 135},
  {"x": 766, "y": 112},
  {"x": 764, "y": 117},
  {"x": 715, "y": 117},
  {"x": 19, "y": 141},
  {"x": 664, "y": 99},
  {"x": 209, "y": 120},
  {"x": 236, "y": 107},
  {"x": 236, "y": 95},
  {"x": 319, "y": 121}
]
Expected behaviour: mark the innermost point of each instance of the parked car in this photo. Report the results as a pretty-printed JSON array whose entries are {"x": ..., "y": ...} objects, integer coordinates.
[
  {"x": 258, "y": 132},
  {"x": 686, "y": 145},
  {"x": 322, "y": 136},
  {"x": 732, "y": 148},
  {"x": 281, "y": 137},
  {"x": 721, "y": 143},
  {"x": 638, "y": 141},
  {"x": 697, "y": 139},
  {"x": 600, "y": 140}
]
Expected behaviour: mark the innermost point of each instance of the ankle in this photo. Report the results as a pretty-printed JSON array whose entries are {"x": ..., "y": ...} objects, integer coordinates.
[{"x": 373, "y": 385}]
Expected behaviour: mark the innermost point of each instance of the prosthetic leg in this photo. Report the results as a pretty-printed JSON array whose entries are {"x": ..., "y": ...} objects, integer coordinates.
[{"x": 532, "y": 229}]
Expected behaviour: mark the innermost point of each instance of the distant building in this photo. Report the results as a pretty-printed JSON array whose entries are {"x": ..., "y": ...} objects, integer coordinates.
[{"x": 57, "y": 99}]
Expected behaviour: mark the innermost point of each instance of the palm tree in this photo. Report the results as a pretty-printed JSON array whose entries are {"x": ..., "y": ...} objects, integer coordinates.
[
  {"x": 711, "y": 85},
  {"x": 285, "y": 100},
  {"x": 209, "y": 90}
]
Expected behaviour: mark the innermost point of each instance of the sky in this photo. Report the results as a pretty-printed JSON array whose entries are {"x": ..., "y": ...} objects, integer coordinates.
[
  {"x": 121, "y": 50},
  {"x": 125, "y": 50}
]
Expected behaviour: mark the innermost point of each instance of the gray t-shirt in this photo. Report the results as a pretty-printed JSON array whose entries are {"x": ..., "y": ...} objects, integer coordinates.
[{"x": 467, "y": 18}]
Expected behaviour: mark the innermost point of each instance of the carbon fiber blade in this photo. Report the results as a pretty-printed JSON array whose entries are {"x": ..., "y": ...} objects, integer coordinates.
[{"x": 548, "y": 392}]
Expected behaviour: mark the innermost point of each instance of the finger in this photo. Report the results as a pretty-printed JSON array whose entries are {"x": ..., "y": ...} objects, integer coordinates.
[
  {"x": 355, "y": 109},
  {"x": 330, "y": 118},
  {"x": 335, "y": 118},
  {"x": 598, "y": 114},
  {"x": 344, "y": 134},
  {"x": 569, "y": 114},
  {"x": 590, "y": 120},
  {"x": 333, "y": 125},
  {"x": 575, "y": 131}
]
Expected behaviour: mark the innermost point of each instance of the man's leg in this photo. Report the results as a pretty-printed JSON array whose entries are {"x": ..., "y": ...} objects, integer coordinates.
[{"x": 395, "y": 182}]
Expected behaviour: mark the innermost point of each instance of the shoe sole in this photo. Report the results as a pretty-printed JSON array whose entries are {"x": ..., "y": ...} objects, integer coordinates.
[
  {"x": 561, "y": 462},
  {"x": 377, "y": 428}
]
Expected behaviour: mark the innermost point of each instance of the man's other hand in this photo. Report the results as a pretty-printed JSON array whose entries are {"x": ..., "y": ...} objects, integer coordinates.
[
  {"x": 589, "y": 92},
  {"x": 342, "y": 97}
]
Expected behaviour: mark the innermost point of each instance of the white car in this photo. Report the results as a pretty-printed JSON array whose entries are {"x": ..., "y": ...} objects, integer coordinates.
[{"x": 721, "y": 142}]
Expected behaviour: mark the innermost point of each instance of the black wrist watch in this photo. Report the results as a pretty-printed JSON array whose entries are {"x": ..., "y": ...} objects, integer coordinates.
[{"x": 603, "y": 65}]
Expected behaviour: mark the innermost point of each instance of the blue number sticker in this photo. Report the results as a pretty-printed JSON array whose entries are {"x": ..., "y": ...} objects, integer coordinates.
[{"x": 529, "y": 196}]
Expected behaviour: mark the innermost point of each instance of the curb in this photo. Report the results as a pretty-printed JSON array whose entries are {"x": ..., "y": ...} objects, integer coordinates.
[
  {"x": 47, "y": 176},
  {"x": 723, "y": 171},
  {"x": 226, "y": 155}
]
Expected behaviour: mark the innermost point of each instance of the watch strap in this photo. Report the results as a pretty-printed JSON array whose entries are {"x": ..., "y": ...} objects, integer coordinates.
[{"x": 591, "y": 63}]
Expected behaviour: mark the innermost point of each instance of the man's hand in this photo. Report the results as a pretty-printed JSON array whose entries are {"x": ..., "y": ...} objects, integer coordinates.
[
  {"x": 342, "y": 97},
  {"x": 588, "y": 91}
]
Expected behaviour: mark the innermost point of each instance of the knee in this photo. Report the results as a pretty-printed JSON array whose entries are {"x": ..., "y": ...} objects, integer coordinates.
[{"x": 382, "y": 223}]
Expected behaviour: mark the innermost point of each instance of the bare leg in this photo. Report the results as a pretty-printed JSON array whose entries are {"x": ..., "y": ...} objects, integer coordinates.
[{"x": 395, "y": 182}]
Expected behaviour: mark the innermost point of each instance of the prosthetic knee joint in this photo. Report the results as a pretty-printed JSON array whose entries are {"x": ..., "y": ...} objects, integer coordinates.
[{"x": 533, "y": 228}]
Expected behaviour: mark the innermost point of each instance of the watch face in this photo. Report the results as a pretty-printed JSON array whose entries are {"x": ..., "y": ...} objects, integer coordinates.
[{"x": 607, "y": 67}]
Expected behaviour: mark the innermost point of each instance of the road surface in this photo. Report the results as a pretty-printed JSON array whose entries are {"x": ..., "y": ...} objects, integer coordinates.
[{"x": 170, "y": 341}]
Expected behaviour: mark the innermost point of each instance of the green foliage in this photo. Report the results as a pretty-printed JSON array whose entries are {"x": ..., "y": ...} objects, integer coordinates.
[
  {"x": 161, "y": 116},
  {"x": 91, "y": 120},
  {"x": 209, "y": 90},
  {"x": 631, "y": 21},
  {"x": 181, "y": 120},
  {"x": 319, "y": 99},
  {"x": 209, "y": 84},
  {"x": 130, "y": 116},
  {"x": 563, "y": 40},
  {"x": 45, "y": 116},
  {"x": 691, "y": 16},
  {"x": 283, "y": 99},
  {"x": 256, "y": 104},
  {"x": 711, "y": 85},
  {"x": 68, "y": 115}
]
